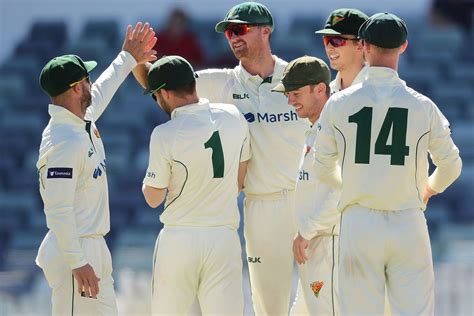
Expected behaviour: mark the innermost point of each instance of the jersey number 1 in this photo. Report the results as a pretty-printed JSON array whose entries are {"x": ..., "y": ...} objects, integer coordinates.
[
  {"x": 217, "y": 154},
  {"x": 395, "y": 120}
]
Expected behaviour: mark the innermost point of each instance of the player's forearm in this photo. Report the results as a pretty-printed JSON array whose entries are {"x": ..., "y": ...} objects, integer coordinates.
[
  {"x": 109, "y": 81},
  {"x": 242, "y": 174},
  {"x": 140, "y": 73}
]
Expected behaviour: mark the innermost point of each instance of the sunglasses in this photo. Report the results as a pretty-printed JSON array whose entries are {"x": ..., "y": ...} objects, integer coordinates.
[
  {"x": 237, "y": 29},
  {"x": 337, "y": 41},
  {"x": 77, "y": 82}
]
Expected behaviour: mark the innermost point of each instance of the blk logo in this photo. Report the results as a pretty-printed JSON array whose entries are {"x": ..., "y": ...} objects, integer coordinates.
[
  {"x": 254, "y": 259},
  {"x": 250, "y": 117},
  {"x": 236, "y": 96}
]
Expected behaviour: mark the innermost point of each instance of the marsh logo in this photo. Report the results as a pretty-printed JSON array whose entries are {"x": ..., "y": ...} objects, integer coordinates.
[{"x": 271, "y": 117}]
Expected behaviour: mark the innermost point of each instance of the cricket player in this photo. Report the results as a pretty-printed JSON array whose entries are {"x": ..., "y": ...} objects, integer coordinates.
[
  {"x": 72, "y": 177},
  {"x": 306, "y": 84},
  {"x": 276, "y": 135},
  {"x": 381, "y": 131},
  {"x": 194, "y": 162},
  {"x": 343, "y": 47}
]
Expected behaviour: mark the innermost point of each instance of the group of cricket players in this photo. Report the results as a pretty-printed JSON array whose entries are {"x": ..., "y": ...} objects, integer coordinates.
[{"x": 334, "y": 172}]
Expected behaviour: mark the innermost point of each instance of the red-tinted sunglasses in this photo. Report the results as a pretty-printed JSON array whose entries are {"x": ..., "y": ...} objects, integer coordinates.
[
  {"x": 237, "y": 29},
  {"x": 337, "y": 41}
]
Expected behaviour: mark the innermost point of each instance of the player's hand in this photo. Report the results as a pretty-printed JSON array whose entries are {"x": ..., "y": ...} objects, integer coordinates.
[
  {"x": 87, "y": 281},
  {"x": 299, "y": 249},
  {"x": 139, "y": 43},
  {"x": 428, "y": 193}
]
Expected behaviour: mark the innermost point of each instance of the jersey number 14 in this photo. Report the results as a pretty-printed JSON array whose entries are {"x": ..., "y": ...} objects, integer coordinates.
[{"x": 395, "y": 120}]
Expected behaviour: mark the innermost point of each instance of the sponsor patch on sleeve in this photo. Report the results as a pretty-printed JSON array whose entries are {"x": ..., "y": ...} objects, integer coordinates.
[{"x": 64, "y": 173}]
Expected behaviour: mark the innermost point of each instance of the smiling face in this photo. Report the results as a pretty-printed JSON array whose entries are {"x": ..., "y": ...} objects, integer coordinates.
[
  {"x": 248, "y": 43},
  {"x": 308, "y": 101},
  {"x": 345, "y": 53}
]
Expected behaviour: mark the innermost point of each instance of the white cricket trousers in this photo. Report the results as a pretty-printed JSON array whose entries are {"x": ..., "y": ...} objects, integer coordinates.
[
  {"x": 385, "y": 250},
  {"x": 318, "y": 278},
  {"x": 202, "y": 262},
  {"x": 65, "y": 297},
  {"x": 269, "y": 229}
]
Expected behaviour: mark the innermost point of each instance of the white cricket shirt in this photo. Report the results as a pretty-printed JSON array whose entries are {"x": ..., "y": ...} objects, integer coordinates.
[
  {"x": 276, "y": 132},
  {"x": 196, "y": 155},
  {"x": 315, "y": 202},
  {"x": 335, "y": 85},
  {"x": 72, "y": 167},
  {"x": 381, "y": 131}
]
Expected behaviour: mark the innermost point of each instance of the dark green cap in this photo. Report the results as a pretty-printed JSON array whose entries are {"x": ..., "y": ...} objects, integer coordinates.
[
  {"x": 170, "y": 73},
  {"x": 61, "y": 72},
  {"x": 384, "y": 30},
  {"x": 303, "y": 71},
  {"x": 247, "y": 13},
  {"x": 344, "y": 22}
]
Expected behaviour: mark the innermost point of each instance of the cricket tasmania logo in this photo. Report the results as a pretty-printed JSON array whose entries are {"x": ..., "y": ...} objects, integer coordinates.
[{"x": 316, "y": 287}]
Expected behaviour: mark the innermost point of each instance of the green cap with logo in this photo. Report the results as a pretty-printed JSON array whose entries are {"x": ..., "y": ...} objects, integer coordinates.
[
  {"x": 170, "y": 73},
  {"x": 344, "y": 22},
  {"x": 247, "y": 13},
  {"x": 61, "y": 72},
  {"x": 384, "y": 30},
  {"x": 303, "y": 71}
]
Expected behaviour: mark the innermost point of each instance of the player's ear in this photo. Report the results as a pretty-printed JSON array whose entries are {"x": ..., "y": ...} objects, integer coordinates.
[{"x": 403, "y": 47}]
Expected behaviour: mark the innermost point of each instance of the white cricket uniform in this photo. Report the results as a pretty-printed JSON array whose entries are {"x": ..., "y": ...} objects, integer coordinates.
[
  {"x": 318, "y": 222},
  {"x": 73, "y": 186},
  {"x": 381, "y": 131},
  {"x": 317, "y": 219},
  {"x": 196, "y": 155},
  {"x": 276, "y": 136},
  {"x": 336, "y": 86}
]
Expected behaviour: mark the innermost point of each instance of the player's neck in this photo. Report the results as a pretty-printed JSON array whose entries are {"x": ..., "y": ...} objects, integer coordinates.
[
  {"x": 348, "y": 75},
  {"x": 72, "y": 106},
  {"x": 263, "y": 65}
]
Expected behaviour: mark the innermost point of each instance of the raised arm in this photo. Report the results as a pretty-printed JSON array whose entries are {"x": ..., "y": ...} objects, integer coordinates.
[{"x": 136, "y": 49}]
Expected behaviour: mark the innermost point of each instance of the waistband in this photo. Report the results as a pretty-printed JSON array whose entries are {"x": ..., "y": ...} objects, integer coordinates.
[{"x": 275, "y": 196}]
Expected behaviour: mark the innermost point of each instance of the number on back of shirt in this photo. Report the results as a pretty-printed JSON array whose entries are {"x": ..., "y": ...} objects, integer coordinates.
[
  {"x": 217, "y": 154},
  {"x": 395, "y": 121}
]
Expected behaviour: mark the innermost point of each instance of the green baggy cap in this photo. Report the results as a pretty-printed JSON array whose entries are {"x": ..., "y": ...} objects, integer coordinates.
[
  {"x": 384, "y": 30},
  {"x": 344, "y": 22},
  {"x": 61, "y": 72},
  {"x": 247, "y": 13},
  {"x": 303, "y": 71},
  {"x": 169, "y": 72}
]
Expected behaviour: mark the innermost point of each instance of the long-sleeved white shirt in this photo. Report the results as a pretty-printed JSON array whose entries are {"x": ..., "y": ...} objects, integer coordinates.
[
  {"x": 72, "y": 168},
  {"x": 381, "y": 131},
  {"x": 315, "y": 202}
]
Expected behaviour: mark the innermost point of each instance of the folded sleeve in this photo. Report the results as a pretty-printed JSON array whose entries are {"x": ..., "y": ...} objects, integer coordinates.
[
  {"x": 159, "y": 164},
  {"x": 444, "y": 153}
]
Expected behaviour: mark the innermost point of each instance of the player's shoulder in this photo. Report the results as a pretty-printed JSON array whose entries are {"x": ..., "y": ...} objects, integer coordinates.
[
  {"x": 225, "y": 107},
  {"x": 342, "y": 96},
  {"x": 215, "y": 74}
]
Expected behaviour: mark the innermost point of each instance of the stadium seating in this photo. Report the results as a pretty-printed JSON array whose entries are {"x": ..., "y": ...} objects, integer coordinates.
[{"x": 434, "y": 65}]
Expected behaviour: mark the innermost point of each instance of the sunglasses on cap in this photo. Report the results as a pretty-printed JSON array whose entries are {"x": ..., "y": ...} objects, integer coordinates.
[
  {"x": 337, "y": 41},
  {"x": 237, "y": 29}
]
